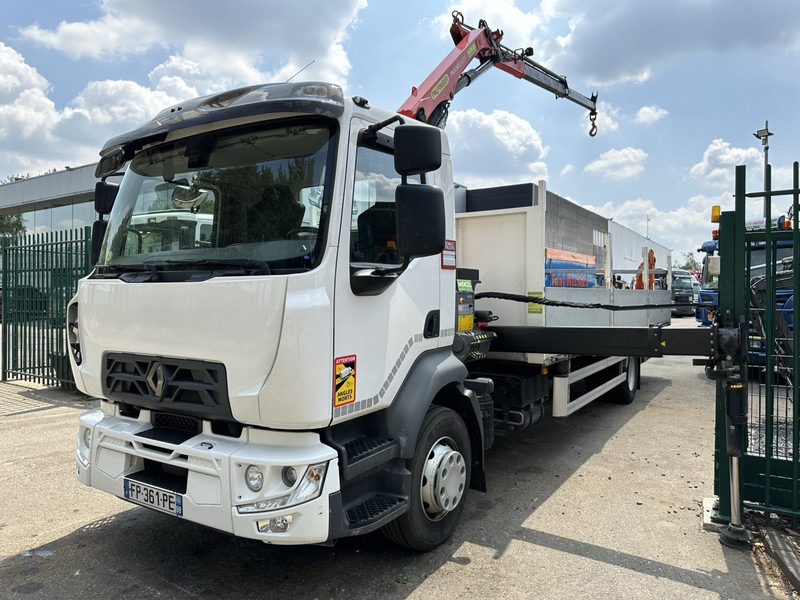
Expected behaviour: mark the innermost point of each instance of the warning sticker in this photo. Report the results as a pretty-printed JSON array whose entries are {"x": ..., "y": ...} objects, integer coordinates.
[
  {"x": 449, "y": 255},
  {"x": 439, "y": 87},
  {"x": 344, "y": 380},
  {"x": 533, "y": 307}
]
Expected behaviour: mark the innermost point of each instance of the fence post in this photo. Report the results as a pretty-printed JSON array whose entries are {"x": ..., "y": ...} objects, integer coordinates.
[{"x": 4, "y": 291}]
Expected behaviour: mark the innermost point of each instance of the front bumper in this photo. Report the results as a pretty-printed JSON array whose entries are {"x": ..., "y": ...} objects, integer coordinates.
[{"x": 212, "y": 469}]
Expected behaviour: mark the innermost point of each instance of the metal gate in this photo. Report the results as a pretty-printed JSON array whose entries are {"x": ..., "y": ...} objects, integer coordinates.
[
  {"x": 40, "y": 276},
  {"x": 757, "y": 286}
]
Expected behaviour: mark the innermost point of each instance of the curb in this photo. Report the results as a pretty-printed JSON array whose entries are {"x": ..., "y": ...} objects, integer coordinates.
[{"x": 779, "y": 550}]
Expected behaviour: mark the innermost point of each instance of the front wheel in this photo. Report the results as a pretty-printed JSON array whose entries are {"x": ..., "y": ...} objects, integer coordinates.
[{"x": 440, "y": 471}]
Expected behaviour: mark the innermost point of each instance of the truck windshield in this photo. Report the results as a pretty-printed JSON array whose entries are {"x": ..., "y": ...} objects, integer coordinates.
[
  {"x": 224, "y": 201},
  {"x": 708, "y": 281}
]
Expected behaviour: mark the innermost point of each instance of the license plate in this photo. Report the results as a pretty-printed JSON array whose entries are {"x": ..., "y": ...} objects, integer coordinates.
[{"x": 153, "y": 497}]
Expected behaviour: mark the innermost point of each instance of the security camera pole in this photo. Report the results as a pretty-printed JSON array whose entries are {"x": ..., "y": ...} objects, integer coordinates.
[{"x": 763, "y": 135}]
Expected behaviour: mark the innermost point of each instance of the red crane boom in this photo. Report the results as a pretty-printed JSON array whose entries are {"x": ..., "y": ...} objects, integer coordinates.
[{"x": 430, "y": 102}]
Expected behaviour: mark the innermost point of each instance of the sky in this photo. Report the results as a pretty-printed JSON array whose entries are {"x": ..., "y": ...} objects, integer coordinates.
[{"x": 683, "y": 85}]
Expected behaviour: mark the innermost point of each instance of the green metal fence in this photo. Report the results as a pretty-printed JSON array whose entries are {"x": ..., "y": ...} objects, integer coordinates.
[
  {"x": 40, "y": 276},
  {"x": 758, "y": 283}
]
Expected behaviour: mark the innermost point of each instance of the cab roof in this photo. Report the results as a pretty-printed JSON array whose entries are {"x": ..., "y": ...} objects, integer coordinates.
[{"x": 310, "y": 97}]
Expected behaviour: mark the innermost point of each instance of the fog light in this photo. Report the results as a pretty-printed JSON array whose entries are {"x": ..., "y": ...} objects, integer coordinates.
[
  {"x": 288, "y": 476},
  {"x": 275, "y": 525},
  {"x": 254, "y": 478},
  {"x": 280, "y": 524}
]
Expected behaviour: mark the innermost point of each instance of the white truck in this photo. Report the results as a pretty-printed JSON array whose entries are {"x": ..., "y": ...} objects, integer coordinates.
[{"x": 312, "y": 366}]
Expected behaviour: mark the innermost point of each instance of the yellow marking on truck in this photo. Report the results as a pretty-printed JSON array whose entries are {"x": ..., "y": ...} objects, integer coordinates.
[
  {"x": 344, "y": 380},
  {"x": 533, "y": 307}
]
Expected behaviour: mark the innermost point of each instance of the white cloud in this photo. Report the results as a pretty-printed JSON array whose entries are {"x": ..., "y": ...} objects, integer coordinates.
[
  {"x": 681, "y": 229},
  {"x": 112, "y": 36},
  {"x": 201, "y": 56},
  {"x": 650, "y": 114},
  {"x": 269, "y": 43},
  {"x": 567, "y": 169},
  {"x": 36, "y": 135},
  {"x": 28, "y": 113},
  {"x": 499, "y": 143},
  {"x": 607, "y": 118},
  {"x": 646, "y": 35},
  {"x": 518, "y": 26},
  {"x": 16, "y": 75},
  {"x": 717, "y": 169},
  {"x": 515, "y": 134},
  {"x": 615, "y": 165}
]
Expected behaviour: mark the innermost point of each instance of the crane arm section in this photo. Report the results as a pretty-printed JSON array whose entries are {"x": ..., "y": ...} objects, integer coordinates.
[{"x": 430, "y": 101}]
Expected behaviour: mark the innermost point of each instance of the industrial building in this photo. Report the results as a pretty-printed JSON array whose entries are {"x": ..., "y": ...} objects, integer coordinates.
[{"x": 52, "y": 202}]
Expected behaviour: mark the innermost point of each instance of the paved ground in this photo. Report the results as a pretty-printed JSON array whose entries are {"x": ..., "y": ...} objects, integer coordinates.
[{"x": 604, "y": 503}]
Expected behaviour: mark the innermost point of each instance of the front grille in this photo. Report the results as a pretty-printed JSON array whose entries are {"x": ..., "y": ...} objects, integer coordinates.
[
  {"x": 189, "y": 387},
  {"x": 177, "y": 422}
]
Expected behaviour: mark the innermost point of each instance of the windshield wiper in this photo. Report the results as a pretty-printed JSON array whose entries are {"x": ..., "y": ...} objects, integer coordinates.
[
  {"x": 125, "y": 268},
  {"x": 127, "y": 272},
  {"x": 256, "y": 266}
]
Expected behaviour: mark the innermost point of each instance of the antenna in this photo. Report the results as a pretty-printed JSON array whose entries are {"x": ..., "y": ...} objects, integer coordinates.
[{"x": 300, "y": 71}]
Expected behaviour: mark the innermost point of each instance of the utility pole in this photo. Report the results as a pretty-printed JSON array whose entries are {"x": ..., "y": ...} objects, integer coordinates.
[{"x": 763, "y": 135}]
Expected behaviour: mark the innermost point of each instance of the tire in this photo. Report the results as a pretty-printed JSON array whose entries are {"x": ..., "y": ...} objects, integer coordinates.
[
  {"x": 440, "y": 472},
  {"x": 625, "y": 393}
]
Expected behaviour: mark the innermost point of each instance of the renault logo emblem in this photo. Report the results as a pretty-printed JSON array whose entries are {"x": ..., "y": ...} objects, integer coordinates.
[{"x": 155, "y": 379}]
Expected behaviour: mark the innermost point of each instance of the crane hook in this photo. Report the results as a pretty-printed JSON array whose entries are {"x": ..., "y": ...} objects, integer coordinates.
[{"x": 593, "y": 119}]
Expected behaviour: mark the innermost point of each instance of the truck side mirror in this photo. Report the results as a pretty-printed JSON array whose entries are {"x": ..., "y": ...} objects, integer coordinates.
[
  {"x": 110, "y": 163},
  {"x": 104, "y": 195},
  {"x": 420, "y": 220},
  {"x": 417, "y": 149}
]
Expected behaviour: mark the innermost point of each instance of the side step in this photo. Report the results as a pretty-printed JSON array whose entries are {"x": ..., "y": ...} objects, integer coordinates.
[
  {"x": 373, "y": 512},
  {"x": 363, "y": 454}
]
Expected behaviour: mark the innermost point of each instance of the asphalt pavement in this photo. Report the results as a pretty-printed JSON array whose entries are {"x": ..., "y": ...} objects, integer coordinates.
[{"x": 607, "y": 502}]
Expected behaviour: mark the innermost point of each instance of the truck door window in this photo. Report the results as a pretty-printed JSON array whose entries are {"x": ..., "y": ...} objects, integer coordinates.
[{"x": 372, "y": 226}]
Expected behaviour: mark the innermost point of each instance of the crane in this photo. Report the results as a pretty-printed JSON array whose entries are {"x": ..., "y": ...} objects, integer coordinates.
[{"x": 430, "y": 102}]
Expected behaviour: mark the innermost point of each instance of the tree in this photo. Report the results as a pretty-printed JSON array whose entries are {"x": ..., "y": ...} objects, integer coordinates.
[
  {"x": 12, "y": 224},
  {"x": 14, "y": 178},
  {"x": 690, "y": 263}
]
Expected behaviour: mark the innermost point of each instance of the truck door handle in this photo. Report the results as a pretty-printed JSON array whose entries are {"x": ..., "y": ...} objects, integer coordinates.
[{"x": 431, "y": 329}]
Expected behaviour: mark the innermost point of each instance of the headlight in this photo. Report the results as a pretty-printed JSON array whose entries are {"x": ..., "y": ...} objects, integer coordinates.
[
  {"x": 307, "y": 488},
  {"x": 84, "y": 445},
  {"x": 254, "y": 478},
  {"x": 288, "y": 476},
  {"x": 87, "y": 438}
]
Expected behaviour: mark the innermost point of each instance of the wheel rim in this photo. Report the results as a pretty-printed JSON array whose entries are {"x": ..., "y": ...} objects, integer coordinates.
[{"x": 444, "y": 479}]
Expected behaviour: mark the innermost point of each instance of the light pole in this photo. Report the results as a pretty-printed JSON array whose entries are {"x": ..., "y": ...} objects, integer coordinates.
[{"x": 763, "y": 135}]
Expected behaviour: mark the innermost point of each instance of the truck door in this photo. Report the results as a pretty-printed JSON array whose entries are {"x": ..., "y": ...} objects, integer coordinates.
[{"x": 380, "y": 332}]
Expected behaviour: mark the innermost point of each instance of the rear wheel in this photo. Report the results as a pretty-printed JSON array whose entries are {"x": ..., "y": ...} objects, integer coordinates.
[
  {"x": 440, "y": 471},
  {"x": 625, "y": 393}
]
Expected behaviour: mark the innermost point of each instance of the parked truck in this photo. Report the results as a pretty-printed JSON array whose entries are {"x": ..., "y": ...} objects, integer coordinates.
[{"x": 319, "y": 363}]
